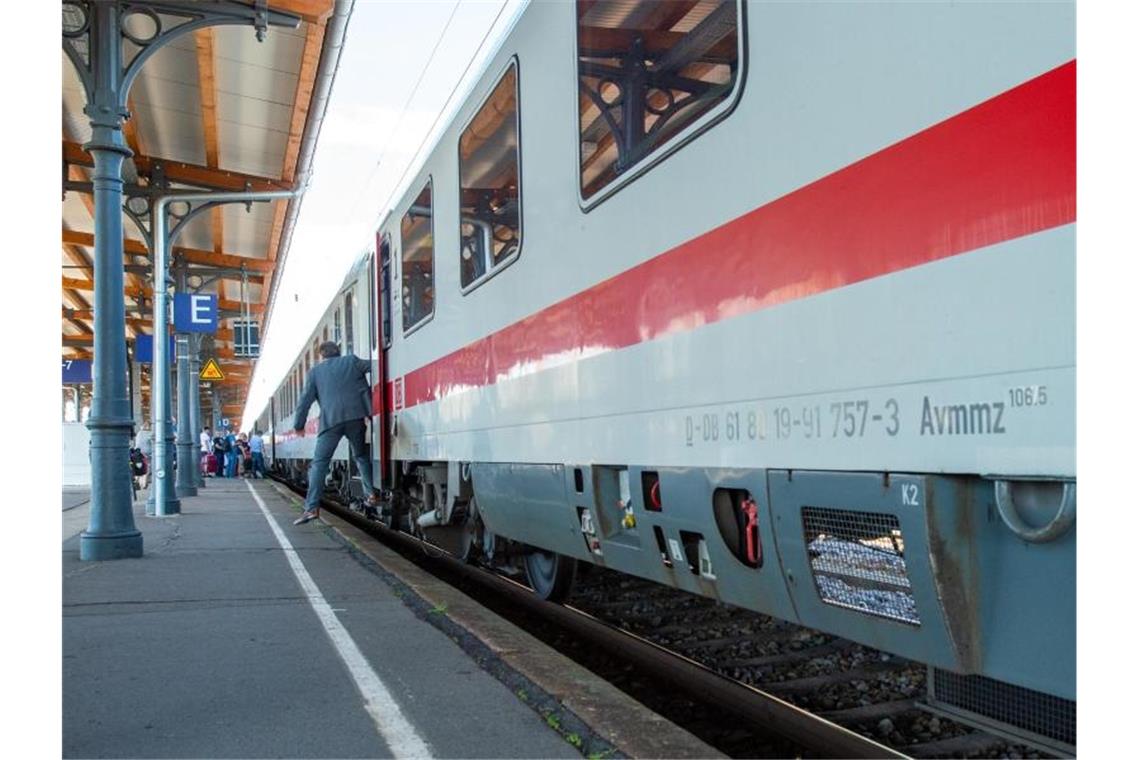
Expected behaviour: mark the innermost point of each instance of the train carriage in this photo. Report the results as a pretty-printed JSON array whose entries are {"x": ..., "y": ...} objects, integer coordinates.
[
  {"x": 345, "y": 322},
  {"x": 770, "y": 302}
]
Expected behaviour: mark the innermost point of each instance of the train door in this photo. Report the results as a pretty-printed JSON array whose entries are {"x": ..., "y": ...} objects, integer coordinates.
[
  {"x": 381, "y": 325},
  {"x": 272, "y": 428}
]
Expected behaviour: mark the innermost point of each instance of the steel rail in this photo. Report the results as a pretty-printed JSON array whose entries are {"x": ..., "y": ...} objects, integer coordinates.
[{"x": 762, "y": 710}]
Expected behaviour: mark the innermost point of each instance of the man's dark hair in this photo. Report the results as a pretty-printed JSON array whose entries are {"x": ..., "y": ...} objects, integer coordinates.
[{"x": 329, "y": 349}]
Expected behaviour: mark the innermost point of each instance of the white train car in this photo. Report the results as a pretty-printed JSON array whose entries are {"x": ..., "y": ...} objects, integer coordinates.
[{"x": 771, "y": 302}]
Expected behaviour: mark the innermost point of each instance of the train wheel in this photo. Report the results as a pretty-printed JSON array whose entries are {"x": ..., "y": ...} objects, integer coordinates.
[
  {"x": 393, "y": 517},
  {"x": 551, "y": 575},
  {"x": 471, "y": 540}
]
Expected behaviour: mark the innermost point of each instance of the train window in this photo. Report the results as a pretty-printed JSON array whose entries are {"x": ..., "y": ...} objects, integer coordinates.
[
  {"x": 489, "y": 212},
  {"x": 385, "y": 290},
  {"x": 417, "y": 263},
  {"x": 651, "y": 75},
  {"x": 372, "y": 303},
  {"x": 347, "y": 323}
]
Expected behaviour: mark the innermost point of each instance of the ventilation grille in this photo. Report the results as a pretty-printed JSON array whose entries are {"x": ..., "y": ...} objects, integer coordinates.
[
  {"x": 857, "y": 562},
  {"x": 1028, "y": 714}
]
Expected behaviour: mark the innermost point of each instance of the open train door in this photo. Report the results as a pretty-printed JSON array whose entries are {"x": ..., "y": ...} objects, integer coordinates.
[{"x": 382, "y": 342}]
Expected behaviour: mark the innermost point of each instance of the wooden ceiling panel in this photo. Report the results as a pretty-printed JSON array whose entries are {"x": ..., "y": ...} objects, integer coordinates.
[
  {"x": 250, "y": 112},
  {"x": 252, "y": 227},
  {"x": 269, "y": 84},
  {"x": 281, "y": 49},
  {"x": 251, "y": 150}
]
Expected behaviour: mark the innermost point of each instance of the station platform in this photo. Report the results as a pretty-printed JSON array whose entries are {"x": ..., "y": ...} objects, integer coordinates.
[{"x": 238, "y": 634}]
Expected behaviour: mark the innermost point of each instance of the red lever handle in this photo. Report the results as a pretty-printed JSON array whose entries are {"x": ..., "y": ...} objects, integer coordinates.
[{"x": 751, "y": 534}]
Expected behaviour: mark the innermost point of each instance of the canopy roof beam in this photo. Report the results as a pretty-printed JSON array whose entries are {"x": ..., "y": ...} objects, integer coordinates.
[
  {"x": 182, "y": 173},
  {"x": 189, "y": 255}
]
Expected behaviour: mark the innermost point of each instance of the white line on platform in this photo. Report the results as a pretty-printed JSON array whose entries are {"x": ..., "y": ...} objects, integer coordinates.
[{"x": 400, "y": 735}]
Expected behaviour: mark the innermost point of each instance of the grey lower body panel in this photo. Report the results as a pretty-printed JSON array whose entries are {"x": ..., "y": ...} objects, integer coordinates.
[{"x": 919, "y": 565}]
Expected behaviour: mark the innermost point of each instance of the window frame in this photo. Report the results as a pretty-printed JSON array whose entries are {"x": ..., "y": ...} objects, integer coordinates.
[
  {"x": 348, "y": 306},
  {"x": 494, "y": 269},
  {"x": 435, "y": 297},
  {"x": 372, "y": 296},
  {"x": 662, "y": 152},
  {"x": 384, "y": 292}
]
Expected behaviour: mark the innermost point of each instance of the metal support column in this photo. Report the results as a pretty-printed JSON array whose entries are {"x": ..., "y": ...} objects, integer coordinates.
[
  {"x": 111, "y": 531},
  {"x": 196, "y": 405},
  {"x": 136, "y": 395},
  {"x": 187, "y": 438},
  {"x": 162, "y": 500}
]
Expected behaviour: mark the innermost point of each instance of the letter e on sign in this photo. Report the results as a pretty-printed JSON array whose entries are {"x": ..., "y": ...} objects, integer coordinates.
[{"x": 201, "y": 312}]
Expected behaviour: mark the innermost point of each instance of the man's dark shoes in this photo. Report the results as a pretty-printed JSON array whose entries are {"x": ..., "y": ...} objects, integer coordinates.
[{"x": 307, "y": 517}]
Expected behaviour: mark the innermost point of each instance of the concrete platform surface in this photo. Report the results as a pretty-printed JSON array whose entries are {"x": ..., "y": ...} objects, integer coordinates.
[
  {"x": 75, "y": 497},
  {"x": 208, "y": 646},
  {"x": 76, "y": 511}
]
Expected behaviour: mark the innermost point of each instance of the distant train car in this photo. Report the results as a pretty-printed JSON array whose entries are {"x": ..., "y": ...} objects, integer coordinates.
[
  {"x": 770, "y": 302},
  {"x": 346, "y": 322}
]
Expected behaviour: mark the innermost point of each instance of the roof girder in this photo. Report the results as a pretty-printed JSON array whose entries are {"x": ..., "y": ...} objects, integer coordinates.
[
  {"x": 189, "y": 255},
  {"x": 181, "y": 172}
]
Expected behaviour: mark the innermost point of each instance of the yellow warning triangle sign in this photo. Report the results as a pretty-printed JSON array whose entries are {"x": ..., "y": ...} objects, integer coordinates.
[{"x": 211, "y": 371}]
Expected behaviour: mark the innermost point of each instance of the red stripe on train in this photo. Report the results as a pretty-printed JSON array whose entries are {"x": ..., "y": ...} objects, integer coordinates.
[
  {"x": 312, "y": 427},
  {"x": 1000, "y": 170}
]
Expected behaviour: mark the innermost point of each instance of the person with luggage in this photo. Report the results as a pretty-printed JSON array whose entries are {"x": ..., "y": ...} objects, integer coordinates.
[
  {"x": 245, "y": 455},
  {"x": 205, "y": 445},
  {"x": 144, "y": 443},
  {"x": 219, "y": 456},
  {"x": 139, "y": 470}
]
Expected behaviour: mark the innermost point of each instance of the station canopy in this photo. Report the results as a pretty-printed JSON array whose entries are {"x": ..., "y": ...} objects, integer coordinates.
[{"x": 214, "y": 109}]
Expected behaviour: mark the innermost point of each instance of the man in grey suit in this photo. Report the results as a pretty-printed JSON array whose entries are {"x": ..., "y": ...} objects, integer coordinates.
[{"x": 339, "y": 385}]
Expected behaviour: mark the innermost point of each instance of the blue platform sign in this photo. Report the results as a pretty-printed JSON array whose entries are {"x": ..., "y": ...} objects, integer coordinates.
[
  {"x": 144, "y": 349},
  {"x": 76, "y": 371},
  {"x": 195, "y": 312}
]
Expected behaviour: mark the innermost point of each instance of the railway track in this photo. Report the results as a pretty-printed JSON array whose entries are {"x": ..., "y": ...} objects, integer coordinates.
[{"x": 748, "y": 684}]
